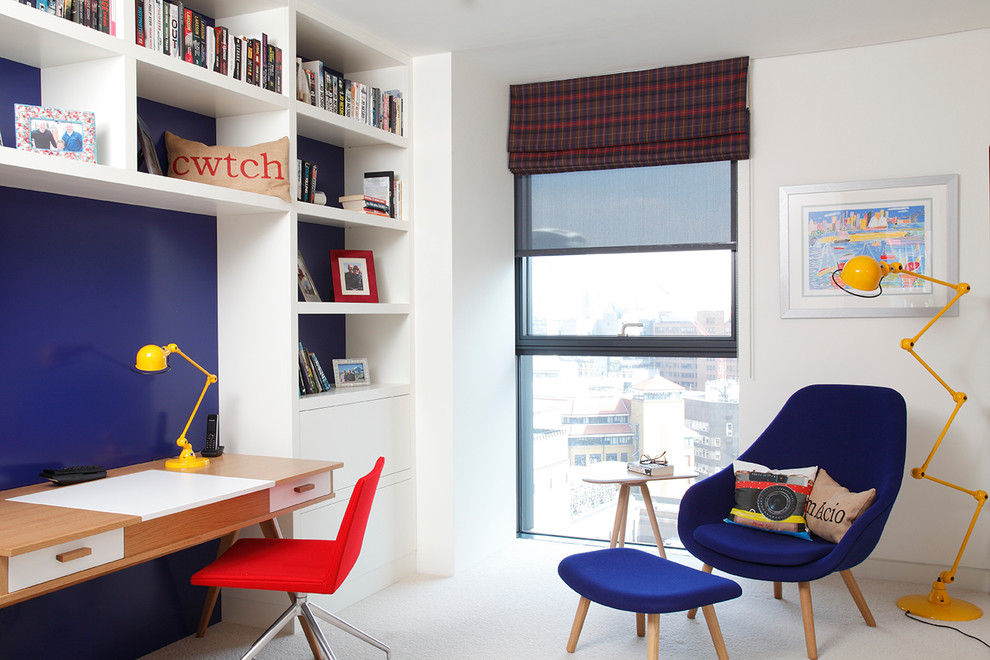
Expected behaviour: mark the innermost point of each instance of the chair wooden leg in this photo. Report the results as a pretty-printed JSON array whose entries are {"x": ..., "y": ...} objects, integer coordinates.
[
  {"x": 582, "y": 611},
  {"x": 808, "y": 615},
  {"x": 778, "y": 590},
  {"x": 640, "y": 624},
  {"x": 693, "y": 612},
  {"x": 857, "y": 595},
  {"x": 716, "y": 632},
  {"x": 652, "y": 637}
]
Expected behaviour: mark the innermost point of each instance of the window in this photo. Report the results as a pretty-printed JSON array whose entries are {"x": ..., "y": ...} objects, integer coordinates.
[{"x": 626, "y": 336}]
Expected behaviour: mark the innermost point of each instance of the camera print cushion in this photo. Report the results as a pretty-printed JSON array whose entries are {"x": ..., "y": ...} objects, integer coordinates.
[
  {"x": 832, "y": 509},
  {"x": 772, "y": 500},
  {"x": 261, "y": 168}
]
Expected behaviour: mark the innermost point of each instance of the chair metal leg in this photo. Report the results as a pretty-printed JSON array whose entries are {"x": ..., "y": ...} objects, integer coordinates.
[
  {"x": 857, "y": 595},
  {"x": 347, "y": 628},
  {"x": 321, "y": 640},
  {"x": 808, "y": 615},
  {"x": 294, "y": 610}
]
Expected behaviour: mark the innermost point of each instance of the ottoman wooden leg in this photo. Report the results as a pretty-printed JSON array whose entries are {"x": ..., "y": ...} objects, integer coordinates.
[
  {"x": 693, "y": 611},
  {"x": 582, "y": 611},
  {"x": 652, "y": 637},
  {"x": 640, "y": 624},
  {"x": 778, "y": 590},
  {"x": 715, "y": 631}
]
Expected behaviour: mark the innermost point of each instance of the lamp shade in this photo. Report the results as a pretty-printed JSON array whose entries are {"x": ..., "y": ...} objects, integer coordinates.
[
  {"x": 864, "y": 273},
  {"x": 151, "y": 359}
]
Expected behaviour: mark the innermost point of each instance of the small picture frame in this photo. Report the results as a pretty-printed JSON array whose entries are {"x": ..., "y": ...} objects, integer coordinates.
[
  {"x": 66, "y": 133},
  {"x": 306, "y": 285},
  {"x": 351, "y": 372},
  {"x": 353, "y": 275},
  {"x": 147, "y": 155}
]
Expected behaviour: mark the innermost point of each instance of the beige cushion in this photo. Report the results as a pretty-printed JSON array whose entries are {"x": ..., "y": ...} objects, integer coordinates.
[
  {"x": 261, "y": 168},
  {"x": 832, "y": 509}
]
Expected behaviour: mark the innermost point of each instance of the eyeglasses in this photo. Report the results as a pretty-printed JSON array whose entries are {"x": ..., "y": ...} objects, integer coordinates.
[{"x": 646, "y": 459}]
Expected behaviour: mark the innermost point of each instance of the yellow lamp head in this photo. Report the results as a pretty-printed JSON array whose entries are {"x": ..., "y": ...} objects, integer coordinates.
[
  {"x": 151, "y": 359},
  {"x": 864, "y": 273}
]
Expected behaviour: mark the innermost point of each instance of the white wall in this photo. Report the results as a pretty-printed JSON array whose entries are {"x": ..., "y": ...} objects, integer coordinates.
[
  {"x": 465, "y": 364},
  {"x": 898, "y": 110}
]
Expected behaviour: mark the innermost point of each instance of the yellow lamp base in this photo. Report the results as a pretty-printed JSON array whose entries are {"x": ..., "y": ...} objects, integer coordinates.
[
  {"x": 932, "y": 608},
  {"x": 192, "y": 462}
]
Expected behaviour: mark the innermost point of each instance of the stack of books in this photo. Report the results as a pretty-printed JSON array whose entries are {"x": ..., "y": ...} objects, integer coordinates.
[
  {"x": 321, "y": 86},
  {"x": 650, "y": 469},
  {"x": 312, "y": 379},
  {"x": 175, "y": 30},
  {"x": 96, "y": 14},
  {"x": 306, "y": 176}
]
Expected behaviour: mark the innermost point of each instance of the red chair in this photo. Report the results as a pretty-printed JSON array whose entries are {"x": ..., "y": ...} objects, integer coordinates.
[{"x": 300, "y": 567}]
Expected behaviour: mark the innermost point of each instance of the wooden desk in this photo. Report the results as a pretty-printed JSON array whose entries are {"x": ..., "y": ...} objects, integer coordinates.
[
  {"x": 612, "y": 472},
  {"x": 44, "y": 548}
]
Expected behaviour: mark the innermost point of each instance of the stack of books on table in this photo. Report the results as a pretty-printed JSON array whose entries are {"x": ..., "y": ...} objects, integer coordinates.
[{"x": 650, "y": 469}]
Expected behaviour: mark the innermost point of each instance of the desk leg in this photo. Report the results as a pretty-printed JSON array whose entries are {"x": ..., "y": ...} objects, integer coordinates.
[
  {"x": 621, "y": 513},
  {"x": 213, "y": 592},
  {"x": 648, "y": 503},
  {"x": 271, "y": 531}
]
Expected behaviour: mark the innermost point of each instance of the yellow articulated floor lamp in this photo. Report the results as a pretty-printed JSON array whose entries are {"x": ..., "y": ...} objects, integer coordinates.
[
  {"x": 865, "y": 273},
  {"x": 152, "y": 359}
]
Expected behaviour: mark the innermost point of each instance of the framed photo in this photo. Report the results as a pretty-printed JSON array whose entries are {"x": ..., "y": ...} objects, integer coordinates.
[
  {"x": 147, "y": 155},
  {"x": 353, "y": 274},
  {"x": 912, "y": 221},
  {"x": 66, "y": 133},
  {"x": 306, "y": 285},
  {"x": 351, "y": 372}
]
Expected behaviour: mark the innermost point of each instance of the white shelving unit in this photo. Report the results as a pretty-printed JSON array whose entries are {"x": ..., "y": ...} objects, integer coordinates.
[{"x": 257, "y": 236}]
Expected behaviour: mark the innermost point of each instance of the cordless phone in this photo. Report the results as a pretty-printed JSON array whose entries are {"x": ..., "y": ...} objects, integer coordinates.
[{"x": 212, "y": 448}]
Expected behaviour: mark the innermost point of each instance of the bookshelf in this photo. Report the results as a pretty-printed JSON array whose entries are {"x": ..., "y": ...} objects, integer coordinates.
[{"x": 260, "y": 316}]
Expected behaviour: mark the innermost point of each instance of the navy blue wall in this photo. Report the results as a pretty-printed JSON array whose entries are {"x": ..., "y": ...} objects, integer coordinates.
[{"x": 83, "y": 285}]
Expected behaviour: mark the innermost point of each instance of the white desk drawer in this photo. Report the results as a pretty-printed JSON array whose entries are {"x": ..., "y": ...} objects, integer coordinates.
[
  {"x": 299, "y": 491},
  {"x": 64, "y": 559}
]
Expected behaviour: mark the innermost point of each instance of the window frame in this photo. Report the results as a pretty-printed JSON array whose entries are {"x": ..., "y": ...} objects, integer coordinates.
[{"x": 596, "y": 345}]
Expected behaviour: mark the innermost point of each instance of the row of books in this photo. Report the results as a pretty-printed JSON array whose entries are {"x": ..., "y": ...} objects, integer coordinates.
[
  {"x": 306, "y": 176},
  {"x": 175, "y": 30},
  {"x": 325, "y": 88},
  {"x": 312, "y": 378},
  {"x": 96, "y": 14}
]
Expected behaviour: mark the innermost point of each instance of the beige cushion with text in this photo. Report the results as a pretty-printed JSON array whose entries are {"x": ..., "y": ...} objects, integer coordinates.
[{"x": 261, "y": 168}]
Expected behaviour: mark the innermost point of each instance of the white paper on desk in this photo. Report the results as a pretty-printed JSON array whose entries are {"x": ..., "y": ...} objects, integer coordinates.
[{"x": 149, "y": 494}]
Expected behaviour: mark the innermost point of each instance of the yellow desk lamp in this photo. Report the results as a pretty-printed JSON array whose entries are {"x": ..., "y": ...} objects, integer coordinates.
[
  {"x": 864, "y": 273},
  {"x": 152, "y": 359}
]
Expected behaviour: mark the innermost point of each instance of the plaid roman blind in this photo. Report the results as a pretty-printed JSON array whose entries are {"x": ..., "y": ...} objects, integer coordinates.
[{"x": 681, "y": 114}]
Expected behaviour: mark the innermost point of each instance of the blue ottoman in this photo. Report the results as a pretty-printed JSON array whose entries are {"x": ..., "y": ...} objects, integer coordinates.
[{"x": 636, "y": 581}]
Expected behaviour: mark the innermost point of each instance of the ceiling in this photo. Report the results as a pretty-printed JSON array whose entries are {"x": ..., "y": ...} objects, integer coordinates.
[{"x": 532, "y": 40}]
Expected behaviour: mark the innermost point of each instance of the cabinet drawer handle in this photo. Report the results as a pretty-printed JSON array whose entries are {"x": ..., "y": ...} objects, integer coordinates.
[
  {"x": 304, "y": 488},
  {"x": 72, "y": 555}
]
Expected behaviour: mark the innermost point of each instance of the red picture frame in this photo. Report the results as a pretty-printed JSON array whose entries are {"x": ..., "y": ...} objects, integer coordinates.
[{"x": 353, "y": 275}]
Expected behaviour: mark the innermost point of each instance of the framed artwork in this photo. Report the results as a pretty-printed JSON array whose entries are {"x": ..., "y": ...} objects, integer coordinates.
[
  {"x": 147, "y": 155},
  {"x": 351, "y": 372},
  {"x": 66, "y": 133},
  {"x": 306, "y": 285},
  {"x": 912, "y": 221},
  {"x": 353, "y": 274}
]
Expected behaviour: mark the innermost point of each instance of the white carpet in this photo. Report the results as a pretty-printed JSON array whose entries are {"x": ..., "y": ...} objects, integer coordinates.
[{"x": 514, "y": 606}]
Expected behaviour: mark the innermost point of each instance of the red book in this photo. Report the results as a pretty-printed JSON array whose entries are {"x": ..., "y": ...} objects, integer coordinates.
[{"x": 187, "y": 35}]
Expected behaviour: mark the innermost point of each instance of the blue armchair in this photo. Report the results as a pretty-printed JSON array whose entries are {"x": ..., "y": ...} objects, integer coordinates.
[{"x": 858, "y": 434}]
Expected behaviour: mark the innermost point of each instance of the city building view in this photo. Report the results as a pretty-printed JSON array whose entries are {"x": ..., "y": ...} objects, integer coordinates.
[{"x": 591, "y": 409}]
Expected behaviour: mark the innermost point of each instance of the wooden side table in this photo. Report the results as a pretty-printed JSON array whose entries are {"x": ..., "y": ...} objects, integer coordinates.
[{"x": 614, "y": 472}]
